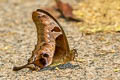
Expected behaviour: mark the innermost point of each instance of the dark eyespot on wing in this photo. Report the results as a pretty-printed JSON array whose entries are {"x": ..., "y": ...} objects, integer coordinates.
[
  {"x": 45, "y": 55},
  {"x": 42, "y": 61},
  {"x": 56, "y": 29}
]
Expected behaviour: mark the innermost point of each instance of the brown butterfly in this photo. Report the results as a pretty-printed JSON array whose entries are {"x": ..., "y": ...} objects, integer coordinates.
[{"x": 52, "y": 45}]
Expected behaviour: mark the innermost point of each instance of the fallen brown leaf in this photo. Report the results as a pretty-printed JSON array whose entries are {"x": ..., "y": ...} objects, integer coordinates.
[{"x": 66, "y": 10}]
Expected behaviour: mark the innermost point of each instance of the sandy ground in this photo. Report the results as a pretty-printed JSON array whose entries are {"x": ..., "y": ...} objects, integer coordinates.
[{"x": 98, "y": 54}]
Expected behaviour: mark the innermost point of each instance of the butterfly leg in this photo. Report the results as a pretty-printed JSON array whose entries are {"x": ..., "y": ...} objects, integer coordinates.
[{"x": 73, "y": 54}]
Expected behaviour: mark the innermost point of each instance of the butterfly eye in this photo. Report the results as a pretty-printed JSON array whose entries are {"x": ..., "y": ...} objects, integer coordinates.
[{"x": 45, "y": 55}]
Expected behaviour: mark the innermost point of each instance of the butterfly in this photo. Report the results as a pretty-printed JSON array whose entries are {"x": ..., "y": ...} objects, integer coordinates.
[{"x": 52, "y": 45}]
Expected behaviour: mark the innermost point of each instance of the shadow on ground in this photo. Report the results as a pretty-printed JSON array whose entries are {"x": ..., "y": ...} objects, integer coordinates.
[{"x": 61, "y": 66}]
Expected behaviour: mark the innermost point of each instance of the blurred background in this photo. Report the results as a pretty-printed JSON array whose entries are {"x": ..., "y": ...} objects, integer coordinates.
[{"x": 91, "y": 26}]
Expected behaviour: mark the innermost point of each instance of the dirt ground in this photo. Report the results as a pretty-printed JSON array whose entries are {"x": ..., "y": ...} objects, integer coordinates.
[{"x": 98, "y": 53}]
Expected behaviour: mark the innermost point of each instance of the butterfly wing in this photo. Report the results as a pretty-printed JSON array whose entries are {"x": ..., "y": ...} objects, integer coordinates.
[{"x": 62, "y": 52}]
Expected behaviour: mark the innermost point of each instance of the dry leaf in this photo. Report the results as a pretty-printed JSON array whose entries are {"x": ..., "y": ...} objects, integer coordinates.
[{"x": 66, "y": 10}]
